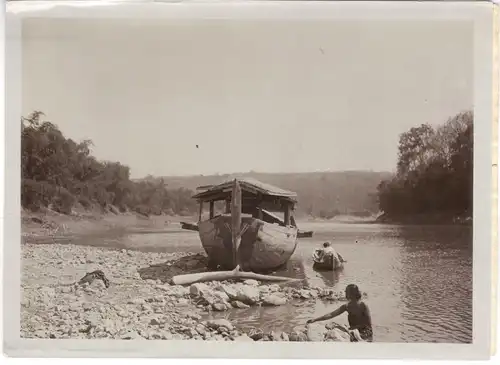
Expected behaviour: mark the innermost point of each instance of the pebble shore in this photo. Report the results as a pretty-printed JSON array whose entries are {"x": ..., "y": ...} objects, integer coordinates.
[{"x": 140, "y": 302}]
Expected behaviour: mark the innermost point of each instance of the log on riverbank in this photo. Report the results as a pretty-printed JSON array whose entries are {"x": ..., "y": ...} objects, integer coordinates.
[{"x": 189, "y": 279}]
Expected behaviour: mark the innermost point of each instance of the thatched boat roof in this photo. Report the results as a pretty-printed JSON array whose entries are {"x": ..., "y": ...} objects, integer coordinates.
[{"x": 247, "y": 185}]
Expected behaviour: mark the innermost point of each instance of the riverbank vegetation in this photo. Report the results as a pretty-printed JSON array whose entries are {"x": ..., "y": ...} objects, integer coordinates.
[
  {"x": 321, "y": 195},
  {"x": 433, "y": 181},
  {"x": 62, "y": 175},
  {"x": 434, "y": 178}
]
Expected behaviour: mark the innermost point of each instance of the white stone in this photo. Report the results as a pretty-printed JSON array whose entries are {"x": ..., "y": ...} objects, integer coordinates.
[
  {"x": 248, "y": 294},
  {"x": 251, "y": 282},
  {"x": 274, "y": 300}
]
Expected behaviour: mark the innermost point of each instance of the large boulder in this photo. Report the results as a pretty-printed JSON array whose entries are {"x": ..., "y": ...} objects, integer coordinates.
[
  {"x": 316, "y": 332},
  {"x": 337, "y": 335},
  {"x": 218, "y": 300},
  {"x": 273, "y": 300},
  {"x": 229, "y": 290},
  {"x": 248, "y": 294},
  {"x": 197, "y": 289}
]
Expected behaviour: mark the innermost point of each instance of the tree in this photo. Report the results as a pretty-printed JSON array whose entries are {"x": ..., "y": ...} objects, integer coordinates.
[
  {"x": 415, "y": 148},
  {"x": 434, "y": 171},
  {"x": 58, "y": 172}
]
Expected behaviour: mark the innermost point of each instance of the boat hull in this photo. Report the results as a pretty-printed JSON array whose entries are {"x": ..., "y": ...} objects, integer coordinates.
[{"x": 263, "y": 246}]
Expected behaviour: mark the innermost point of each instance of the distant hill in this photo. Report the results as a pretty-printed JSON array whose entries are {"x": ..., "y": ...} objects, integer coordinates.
[{"x": 320, "y": 194}]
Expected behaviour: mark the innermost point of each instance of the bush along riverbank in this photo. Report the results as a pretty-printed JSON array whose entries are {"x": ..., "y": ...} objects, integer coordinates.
[{"x": 136, "y": 301}]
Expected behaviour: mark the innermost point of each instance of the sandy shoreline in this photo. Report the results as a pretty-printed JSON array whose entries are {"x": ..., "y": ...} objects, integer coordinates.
[
  {"x": 139, "y": 302},
  {"x": 43, "y": 226}
]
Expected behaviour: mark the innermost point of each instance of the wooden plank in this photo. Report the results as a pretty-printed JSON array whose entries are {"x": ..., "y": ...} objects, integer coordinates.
[
  {"x": 212, "y": 204},
  {"x": 236, "y": 220},
  {"x": 200, "y": 213},
  {"x": 287, "y": 215}
]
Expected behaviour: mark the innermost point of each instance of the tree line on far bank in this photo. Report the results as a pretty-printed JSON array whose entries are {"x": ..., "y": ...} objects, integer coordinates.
[
  {"x": 434, "y": 178},
  {"x": 61, "y": 174},
  {"x": 321, "y": 194}
]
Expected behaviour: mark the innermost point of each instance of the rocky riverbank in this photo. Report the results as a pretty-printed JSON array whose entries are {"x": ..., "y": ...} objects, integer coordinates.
[{"x": 140, "y": 302}]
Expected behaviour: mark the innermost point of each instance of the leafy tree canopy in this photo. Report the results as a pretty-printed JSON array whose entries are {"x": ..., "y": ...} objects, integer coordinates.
[{"x": 434, "y": 171}]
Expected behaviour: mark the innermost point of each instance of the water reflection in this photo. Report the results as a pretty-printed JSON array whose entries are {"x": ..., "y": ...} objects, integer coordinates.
[
  {"x": 436, "y": 283},
  {"x": 330, "y": 278},
  {"x": 418, "y": 280}
]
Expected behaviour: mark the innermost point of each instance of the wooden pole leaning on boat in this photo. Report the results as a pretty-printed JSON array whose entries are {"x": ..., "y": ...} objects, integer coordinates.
[{"x": 237, "y": 233}]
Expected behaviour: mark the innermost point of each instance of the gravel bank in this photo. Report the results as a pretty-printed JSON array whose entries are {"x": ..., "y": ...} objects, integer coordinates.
[{"x": 140, "y": 303}]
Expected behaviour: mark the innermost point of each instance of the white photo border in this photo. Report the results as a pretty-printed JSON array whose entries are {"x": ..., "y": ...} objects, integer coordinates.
[{"x": 482, "y": 16}]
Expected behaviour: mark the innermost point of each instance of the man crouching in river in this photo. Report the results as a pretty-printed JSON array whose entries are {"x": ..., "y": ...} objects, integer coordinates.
[{"x": 358, "y": 315}]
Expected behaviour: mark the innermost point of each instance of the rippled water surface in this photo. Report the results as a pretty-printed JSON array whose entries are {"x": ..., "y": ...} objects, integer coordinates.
[{"x": 418, "y": 279}]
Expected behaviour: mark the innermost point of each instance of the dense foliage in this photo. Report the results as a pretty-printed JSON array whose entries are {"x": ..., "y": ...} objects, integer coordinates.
[
  {"x": 60, "y": 173},
  {"x": 320, "y": 194},
  {"x": 434, "y": 172}
]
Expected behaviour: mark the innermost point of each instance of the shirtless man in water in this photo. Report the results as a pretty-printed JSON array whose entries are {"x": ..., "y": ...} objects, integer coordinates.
[{"x": 358, "y": 315}]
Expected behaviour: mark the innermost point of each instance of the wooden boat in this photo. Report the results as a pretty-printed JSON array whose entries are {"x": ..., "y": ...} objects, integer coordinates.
[
  {"x": 267, "y": 218},
  {"x": 326, "y": 262},
  {"x": 305, "y": 234},
  {"x": 322, "y": 262},
  {"x": 194, "y": 227},
  {"x": 267, "y": 242}
]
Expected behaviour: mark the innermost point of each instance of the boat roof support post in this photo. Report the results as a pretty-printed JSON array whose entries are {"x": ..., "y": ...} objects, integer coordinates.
[
  {"x": 212, "y": 211},
  {"x": 200, "y": 213},
  {"x": 287, "y": 213}
]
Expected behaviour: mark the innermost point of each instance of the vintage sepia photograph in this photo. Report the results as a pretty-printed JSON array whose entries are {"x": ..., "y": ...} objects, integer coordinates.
[{"x": 213, "y": 179}]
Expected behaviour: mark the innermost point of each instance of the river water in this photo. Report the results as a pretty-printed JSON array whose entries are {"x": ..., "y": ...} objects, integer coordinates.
[{"x": 418, "y": 279}]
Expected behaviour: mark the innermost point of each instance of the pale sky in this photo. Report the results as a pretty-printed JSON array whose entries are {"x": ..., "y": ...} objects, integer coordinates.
[{"x": 264, "y": 96}]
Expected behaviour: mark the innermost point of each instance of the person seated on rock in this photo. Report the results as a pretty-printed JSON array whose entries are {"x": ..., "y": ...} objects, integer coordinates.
[{"x": 358, "y": 315}]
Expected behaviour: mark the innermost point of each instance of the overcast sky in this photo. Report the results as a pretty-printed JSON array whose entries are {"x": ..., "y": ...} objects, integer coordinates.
[{"x": 269, "y": 97}]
